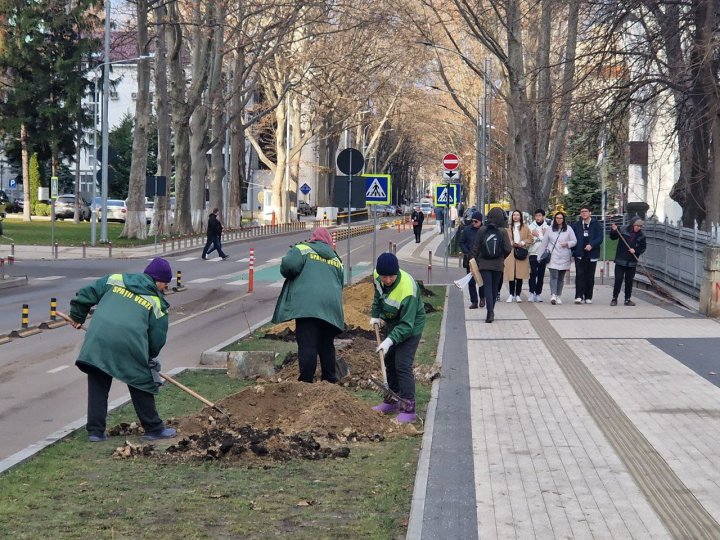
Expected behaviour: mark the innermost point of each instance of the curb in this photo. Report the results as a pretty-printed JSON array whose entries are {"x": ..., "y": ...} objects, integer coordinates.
[
  {"x": 417, "y": 505},
  {"x": 13, "y": 282},
  {"x": 29, "y": 451}
]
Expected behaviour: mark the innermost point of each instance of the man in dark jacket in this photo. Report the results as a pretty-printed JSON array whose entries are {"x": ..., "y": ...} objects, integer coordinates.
[
  {"x": 214, "y": 232},
  {"x": 417, "y": 217},
  {"x": 586, "y": 253},
  {"x": 491, "y": 267},
  {"x": 467, "y": 239},
  {"x": 632, "y": 244},
  {"x": 127, "y": 331},
  {"x": 312, "y": 295}
]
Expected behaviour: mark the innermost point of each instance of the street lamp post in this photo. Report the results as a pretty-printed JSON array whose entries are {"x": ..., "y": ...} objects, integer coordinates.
[{"x": 105, "y": 128}]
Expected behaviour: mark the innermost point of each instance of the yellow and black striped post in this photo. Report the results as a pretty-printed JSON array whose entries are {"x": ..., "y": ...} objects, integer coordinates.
[
  {"x": 178, "y": 279},
  {"x": 53, "y": 309},
  {"x": 25, "y": 322}
]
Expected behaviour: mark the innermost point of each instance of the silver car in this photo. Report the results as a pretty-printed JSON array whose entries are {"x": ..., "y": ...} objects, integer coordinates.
[{"x": 65, "y": 208}]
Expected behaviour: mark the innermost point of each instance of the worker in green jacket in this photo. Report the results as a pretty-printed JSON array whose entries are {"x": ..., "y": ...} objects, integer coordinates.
[
  {"x": 312, "y": 295},
  {"x": 398, "y": 307},
  {"x": 126, "y": 333}
]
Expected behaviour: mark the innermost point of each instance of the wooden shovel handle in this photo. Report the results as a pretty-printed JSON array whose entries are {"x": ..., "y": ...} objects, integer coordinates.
[
  {"x": 67, "y": 318},
  {"x": 184, "y": 388},
  {"x": 381, "y": 352}
]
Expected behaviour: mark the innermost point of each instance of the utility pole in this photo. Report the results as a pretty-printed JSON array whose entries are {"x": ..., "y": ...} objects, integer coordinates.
[{"x": 105, "y": 127}]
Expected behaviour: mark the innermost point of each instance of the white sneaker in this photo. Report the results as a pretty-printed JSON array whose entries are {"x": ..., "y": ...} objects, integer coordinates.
[
  {"x": 531, "y": 297},
  {"x": 578, "y": 301},
  {"x": 553, "y": 299},
  {"x": 588, "y": 301},
  {"x": 538, "y": 298},
  {"x": 518, "y": 299},
  {"x": 558, "y": 301},
  {"x": 510, "y": 299}
]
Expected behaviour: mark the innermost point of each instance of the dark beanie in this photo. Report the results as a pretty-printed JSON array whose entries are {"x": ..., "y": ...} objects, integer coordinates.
[
  {"x": 387, "y": 265},
  {"x": 159, "y": 270},
  {"x": 477, "y": 215}
]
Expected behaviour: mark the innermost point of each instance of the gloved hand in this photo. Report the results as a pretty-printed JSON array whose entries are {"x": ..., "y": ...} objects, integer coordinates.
[
  {"x": 155, "y": 369},
  {"x": 385, "y": 345},
  {"x": 378, "y": 321}
]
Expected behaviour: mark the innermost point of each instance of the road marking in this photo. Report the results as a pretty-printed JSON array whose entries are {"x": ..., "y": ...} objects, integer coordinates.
[
  {"x": 201, "y": 280},
  {"x": 246, "y": 259},
  {"x": 238, "y": 282},
  {"x": 277, "y": 284},
  {"x": 49, "y": 278},
  {"x": 59, "y": 368},
  {"x": 208, "y": 310},
  {"x": 92, "y": 278},
  {"x": 185, "y": 259},
  {"x": 276, "y": 259}
]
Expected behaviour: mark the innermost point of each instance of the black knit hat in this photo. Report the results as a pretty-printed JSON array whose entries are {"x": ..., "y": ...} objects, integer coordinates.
[{"x": 387, "y": 265}]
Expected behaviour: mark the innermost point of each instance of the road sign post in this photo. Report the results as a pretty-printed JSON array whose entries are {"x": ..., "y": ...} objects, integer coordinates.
[
  {"x": 350, "y": 161},
  {"x": 378, "y": 190}
]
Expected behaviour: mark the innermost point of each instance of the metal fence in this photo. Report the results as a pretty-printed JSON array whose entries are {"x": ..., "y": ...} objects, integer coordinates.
[{"x": 675, "y": 254}]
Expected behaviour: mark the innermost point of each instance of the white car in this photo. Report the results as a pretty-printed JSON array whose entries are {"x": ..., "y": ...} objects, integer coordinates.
[{"x": 116, "y": 210}]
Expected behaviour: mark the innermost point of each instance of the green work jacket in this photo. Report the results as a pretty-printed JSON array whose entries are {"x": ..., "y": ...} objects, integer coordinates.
[
  {"x": 400, "y": 306},
  {"x": 313, "y": 285},
  {"x": 128, "y": 328}
]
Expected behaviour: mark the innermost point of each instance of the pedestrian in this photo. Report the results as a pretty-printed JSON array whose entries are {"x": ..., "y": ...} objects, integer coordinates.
[
  {"x": 467, "y": 239},
  {"x": 214, "y": 232},
  {"x": 517, "y": 265},
  {"x": 312, "y": 295},
  {"x": 491, "y": 247},
  {"x": 440, "y": 219},
  {"x": 587, "y": 252},
  {"x": 398, "y": 307},
  {"x": 559, "y": 241},
  {"x": 538, "y": 228},
  {"x": 632, "y": 244},
  {"x": 417, "y": 217},
  {"x": 126, "y": 333}
]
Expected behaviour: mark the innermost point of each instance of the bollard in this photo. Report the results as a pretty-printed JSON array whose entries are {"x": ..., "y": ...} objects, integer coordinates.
[
  {"x": 54, "y": 322},
  {"x": 398, "y": 226},
  {"x": 178, "y": 282},
  {"x": 602, "y": 276},
  {"x": 110, "y": 249},
  {"x": 56, "y": 250},
  {"x": 53, "y": 309},
  {"x": 2, "y": 268},
  {"x": 25, "y": 319},
  {"x": 172, "y": 243},
  {"x": 349, "y": 276},
  {"x": 84, "y": 249},
  {"x": 429, "y": 265},
  {"x": 394, "y": 249},
  {"x": 334, "y": 238},
  {"x": 12, "y": 249},
  {"x": 251, "y": 271},
  {"x": 164, "y": 245},
  {"x": 390, "y": 247}
]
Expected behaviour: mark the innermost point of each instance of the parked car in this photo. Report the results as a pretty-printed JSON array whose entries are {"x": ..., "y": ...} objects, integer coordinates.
[
  {"x": 4, "y": 199},
  {"x": 116, "y": 210},
  {"x": 149, "y": 211},
  {"x": 426, "y": 208},
  {"x": 65, "y": 208},
  {"x": 304, "y": 209}
]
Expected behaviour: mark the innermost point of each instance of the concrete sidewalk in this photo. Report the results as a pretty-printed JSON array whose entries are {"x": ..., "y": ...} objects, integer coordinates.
[{"x": 572, "y": 421}]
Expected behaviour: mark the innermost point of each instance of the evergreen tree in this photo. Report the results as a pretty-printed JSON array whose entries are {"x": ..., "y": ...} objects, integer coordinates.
[
  {"x": 35, "y": 181},
  {"x": 121, "y": 139},
  {"x": 583, "y": 187}
]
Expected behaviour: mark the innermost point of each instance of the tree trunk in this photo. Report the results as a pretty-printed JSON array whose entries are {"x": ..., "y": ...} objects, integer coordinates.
[
  {"x": 160, "y": 222},
  {"x": 78, "y": 142},
  {"x": 237, "y": 146},
  {"x": 25, "y": 153},
  {"x": 198, "y": 166},
  {"x": 135, "y": 221}
]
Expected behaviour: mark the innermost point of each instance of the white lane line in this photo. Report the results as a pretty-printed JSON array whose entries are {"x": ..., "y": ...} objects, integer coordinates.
[
  {"x": 49, "y": 278},
  {"x": 238, "y": 282},
  {"x": 185, "y": 259},
  {"x": 59, "y": 368},
  {"x": 92, "y": 278},
  {"x": 277, "y": 284},
  {"x": 208, "y": 310},
  {"x": 246, "y": 259},
  {"x": 276, "y": 259},
  {"x": 201, "y": 280},
  {"x": 362, "y": 263}
]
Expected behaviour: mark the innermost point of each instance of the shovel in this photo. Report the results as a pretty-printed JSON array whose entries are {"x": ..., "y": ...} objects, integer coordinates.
[
  {"x": 168, "y": 378},
  {"x": 388, "y": 395}
]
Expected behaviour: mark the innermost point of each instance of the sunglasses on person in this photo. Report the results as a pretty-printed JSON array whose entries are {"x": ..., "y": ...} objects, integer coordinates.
[{"x": 475, "y": 220}]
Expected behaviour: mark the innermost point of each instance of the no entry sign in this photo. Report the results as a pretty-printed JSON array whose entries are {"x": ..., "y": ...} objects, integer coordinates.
[{"x": 451, "y": 162}]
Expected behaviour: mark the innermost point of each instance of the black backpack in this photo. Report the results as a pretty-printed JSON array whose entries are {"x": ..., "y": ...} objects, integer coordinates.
[{"x": 490, "y": 246}]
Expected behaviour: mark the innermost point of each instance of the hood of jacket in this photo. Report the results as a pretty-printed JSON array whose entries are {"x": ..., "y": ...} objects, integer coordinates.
[
  {"x": 496, "y": 216},
  {"x": 322, "y": 249}
]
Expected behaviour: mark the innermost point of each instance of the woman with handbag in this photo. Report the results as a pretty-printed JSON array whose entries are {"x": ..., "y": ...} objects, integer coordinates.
[
  {"x": 557, "y": 251},
  {"x": 517, "y": 265},
  {"x": 417, "y": 217}
]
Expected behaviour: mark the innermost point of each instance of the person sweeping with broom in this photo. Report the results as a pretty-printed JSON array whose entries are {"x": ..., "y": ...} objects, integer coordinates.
[
  {"x": 126, "y": 333},
  {"x": 398, "y": 307},
  {"x": 632, "y": 244}
]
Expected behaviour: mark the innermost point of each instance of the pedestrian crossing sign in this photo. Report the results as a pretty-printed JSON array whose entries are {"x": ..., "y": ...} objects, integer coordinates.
[
  {"x": 447, "y": 194},
  {"x": 378, "y": 188}
]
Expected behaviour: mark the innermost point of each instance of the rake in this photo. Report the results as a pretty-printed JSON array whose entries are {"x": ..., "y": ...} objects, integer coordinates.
[{"x": 388, "y": 395}]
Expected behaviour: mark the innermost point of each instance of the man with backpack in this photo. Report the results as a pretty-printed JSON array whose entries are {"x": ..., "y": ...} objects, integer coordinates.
[{"x": 491, "y": 246}]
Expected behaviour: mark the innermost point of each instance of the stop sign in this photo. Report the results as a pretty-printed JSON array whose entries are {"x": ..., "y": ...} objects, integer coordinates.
[{"x": 451, "y": 162}]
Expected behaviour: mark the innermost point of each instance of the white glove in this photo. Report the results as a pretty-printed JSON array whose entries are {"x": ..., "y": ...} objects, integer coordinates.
[
  {"x": 385, "y": 345},
  {"x": 374, "y": 321}
]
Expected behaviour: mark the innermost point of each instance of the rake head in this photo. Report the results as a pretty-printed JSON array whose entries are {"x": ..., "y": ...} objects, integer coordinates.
[{"x": 388, "y": 395}]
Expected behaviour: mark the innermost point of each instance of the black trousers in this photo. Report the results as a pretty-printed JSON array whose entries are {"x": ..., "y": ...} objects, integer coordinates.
[
  {"x": 399, "y": 367},
  {"x": 537, "y": 275},
  {"x": 475, "y": 291},
  {"x": 315, "y": 337},
  {"x": 492, "y": 281},
  {"x": 584, "y": 278},
  {"x": 213, "y": 241},
  {"x": 99, "y": 384},
  {"x": 515, "y": 287},
  {"x": 418, "y": 232},
  {"x": 626, "y": 274}
]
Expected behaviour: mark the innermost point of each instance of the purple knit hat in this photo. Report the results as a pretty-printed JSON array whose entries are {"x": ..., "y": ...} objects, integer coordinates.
[{"x": 159, "y": 270}]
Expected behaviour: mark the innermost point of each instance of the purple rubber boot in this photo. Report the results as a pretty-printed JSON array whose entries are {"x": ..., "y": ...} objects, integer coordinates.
[
  {"x": 407, "y": 415},
  {"x": 386, "y": 408}
]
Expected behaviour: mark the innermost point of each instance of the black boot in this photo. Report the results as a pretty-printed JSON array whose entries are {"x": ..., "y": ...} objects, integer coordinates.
[{"x": 490, "y": 317}]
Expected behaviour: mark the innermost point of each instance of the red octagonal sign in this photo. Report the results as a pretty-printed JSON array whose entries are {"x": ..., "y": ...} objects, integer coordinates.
[{"x": 451, "y": 162}]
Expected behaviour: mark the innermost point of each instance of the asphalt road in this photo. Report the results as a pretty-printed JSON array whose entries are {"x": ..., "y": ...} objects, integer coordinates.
[{"x": 40, "y": 388}]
